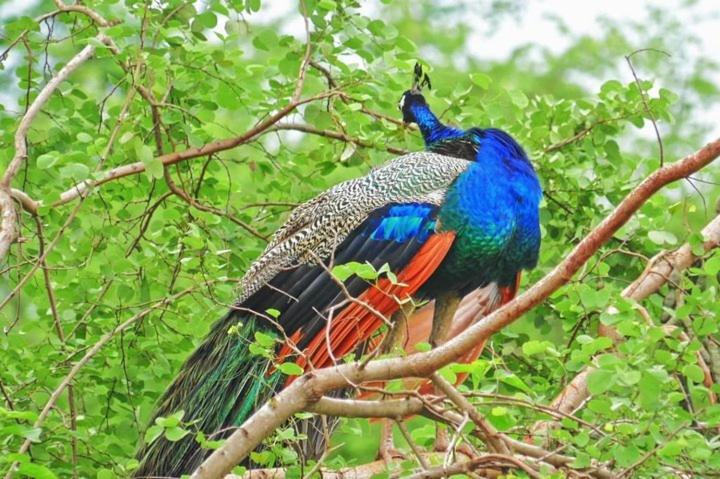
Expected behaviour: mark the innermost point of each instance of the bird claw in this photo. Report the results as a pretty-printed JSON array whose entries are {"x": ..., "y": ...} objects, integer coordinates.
[
  {"x": 390, "y": 455},
  {"x": 387, "y": 451}
]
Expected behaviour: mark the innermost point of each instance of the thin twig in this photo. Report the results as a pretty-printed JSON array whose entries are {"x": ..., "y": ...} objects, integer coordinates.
[
  {"x": 644, "y": 99},
  {"x": 306, "y": 58},
  {"x": 413, "y": 447},
  {"x": 491, "y": 436},
  {"x": 336, "y": 135}
]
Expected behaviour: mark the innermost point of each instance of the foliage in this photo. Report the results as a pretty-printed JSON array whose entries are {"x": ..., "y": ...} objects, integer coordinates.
[{"x": 215, "y": 68}]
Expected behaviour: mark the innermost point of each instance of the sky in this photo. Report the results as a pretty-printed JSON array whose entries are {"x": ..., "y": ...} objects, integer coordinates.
[{"x": 581, "y": 17}]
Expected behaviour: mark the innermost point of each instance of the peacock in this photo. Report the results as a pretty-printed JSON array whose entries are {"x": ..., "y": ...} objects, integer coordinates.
[
  {"x": 443, "y": 225},
  {"x": 464, "y": 144},
  {"x": 448, "y": 320}
]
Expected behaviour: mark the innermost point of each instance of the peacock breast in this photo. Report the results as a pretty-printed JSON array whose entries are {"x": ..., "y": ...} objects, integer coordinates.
[{"x": 495, "y": 220}]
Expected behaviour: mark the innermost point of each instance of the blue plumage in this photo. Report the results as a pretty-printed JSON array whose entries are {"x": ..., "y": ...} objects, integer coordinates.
[
  {"x": 431, "y": 128},
  {"x": 404, "y": 222},
  {"x": 493, "y": 206}
]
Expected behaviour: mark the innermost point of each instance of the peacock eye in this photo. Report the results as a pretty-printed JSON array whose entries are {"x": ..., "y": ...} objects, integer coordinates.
[{"x": 401, "y": 103}]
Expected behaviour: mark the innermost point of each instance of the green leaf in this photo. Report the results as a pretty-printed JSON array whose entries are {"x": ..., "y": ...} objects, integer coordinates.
[
  {"x": 291, "y": 369},
  {"x": 533, "y": 347},
  {"x": 481, "y": 80},
  {"x": 15, "y": 27},
  {"x": 83, "y": 137},
  {"x": 327, "y": 4},
  {"x": 672, "y": 448},
  {"x": 711, "y": 266},
  {"x": 628, "y": 377},
  {"x": 205, "y": 20},
  {"x": 152, "y": 433},
  {"x": 257, "y": 350},
  {"x": 176, "y": 433},
  {"x": 17, "y": 414},
  {"x": 662, "y": 237},
  {"x": 227, "y": 97},
  {"x": 364, "y": 270},
  {"x": 518, "y": 98},
  {"x": 127, "y": 136},
  {"x": 600, "y": 380},
  {"x": 105, "y": 474},
  {"x": 36, "y": 471},
  {"x": 694, "y": 373},
  {"x": 626, "y": 455},
  {"x": 341, "y": 272},
  {"x": 47, "y": 160},
  {"x": 153, "y": 165},
  {"x": 75, "y": 171},
  {"x": 516, "y": 382},
  {"x": 264, "y": 340}
]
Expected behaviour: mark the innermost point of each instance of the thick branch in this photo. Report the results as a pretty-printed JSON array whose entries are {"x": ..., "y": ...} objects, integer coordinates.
[
  {"x": 392, "y": 408},
  {"x": 363, "y": 471},
  {"x": 663, "y": 265},
  {"x": 8, "y": 226},
  {"x": 312, "y": 386},
  {"x": 28, "y": 204}
]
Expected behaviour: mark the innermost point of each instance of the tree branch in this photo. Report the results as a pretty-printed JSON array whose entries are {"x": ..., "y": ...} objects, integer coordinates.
[
  {"x": 178, "y": 156},
  {"x": 336, "y": 135},
  {"x": 664, "y": 264},
  {"x": 363, "y": 471},
  {"x": 92, "y": 14},
  {"x": 489, "y": 434},
  {"x": 391, "y": 408},
  {"x": 8, "y": 217},
  {"x": 311, "y": 387}
]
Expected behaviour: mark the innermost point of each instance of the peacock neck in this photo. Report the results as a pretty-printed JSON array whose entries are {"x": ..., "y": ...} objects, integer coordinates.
[{"x": 432, "y": 129}]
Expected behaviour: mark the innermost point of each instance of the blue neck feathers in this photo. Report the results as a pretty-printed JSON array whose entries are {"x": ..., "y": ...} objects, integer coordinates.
[{"x": 431, "y": 128}]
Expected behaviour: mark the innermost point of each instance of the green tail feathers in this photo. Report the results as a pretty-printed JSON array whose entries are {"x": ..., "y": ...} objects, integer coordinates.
[{"x": 218, "y": 387}]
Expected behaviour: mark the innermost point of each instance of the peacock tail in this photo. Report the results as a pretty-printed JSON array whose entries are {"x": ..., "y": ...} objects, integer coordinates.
[
  {"x": 386, "y": 217},
  {"x": 218, "y": 387}
]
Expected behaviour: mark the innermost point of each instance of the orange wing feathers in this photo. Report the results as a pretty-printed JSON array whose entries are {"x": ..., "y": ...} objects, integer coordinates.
[{"x": 356, "y": 322}]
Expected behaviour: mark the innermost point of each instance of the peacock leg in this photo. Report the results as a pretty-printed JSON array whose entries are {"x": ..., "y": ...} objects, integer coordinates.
[
  {"x": 445, "y": 306},
  {"x": 394, "y": 340},
  {"x": 387, "y": 450}
]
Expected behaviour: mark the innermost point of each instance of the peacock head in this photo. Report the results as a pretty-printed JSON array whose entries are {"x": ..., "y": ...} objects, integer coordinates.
[{"x": 413, "y": 97}]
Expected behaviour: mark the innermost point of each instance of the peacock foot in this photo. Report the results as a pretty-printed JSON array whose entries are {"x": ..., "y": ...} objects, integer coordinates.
[{"x": 387, "y": 450}]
